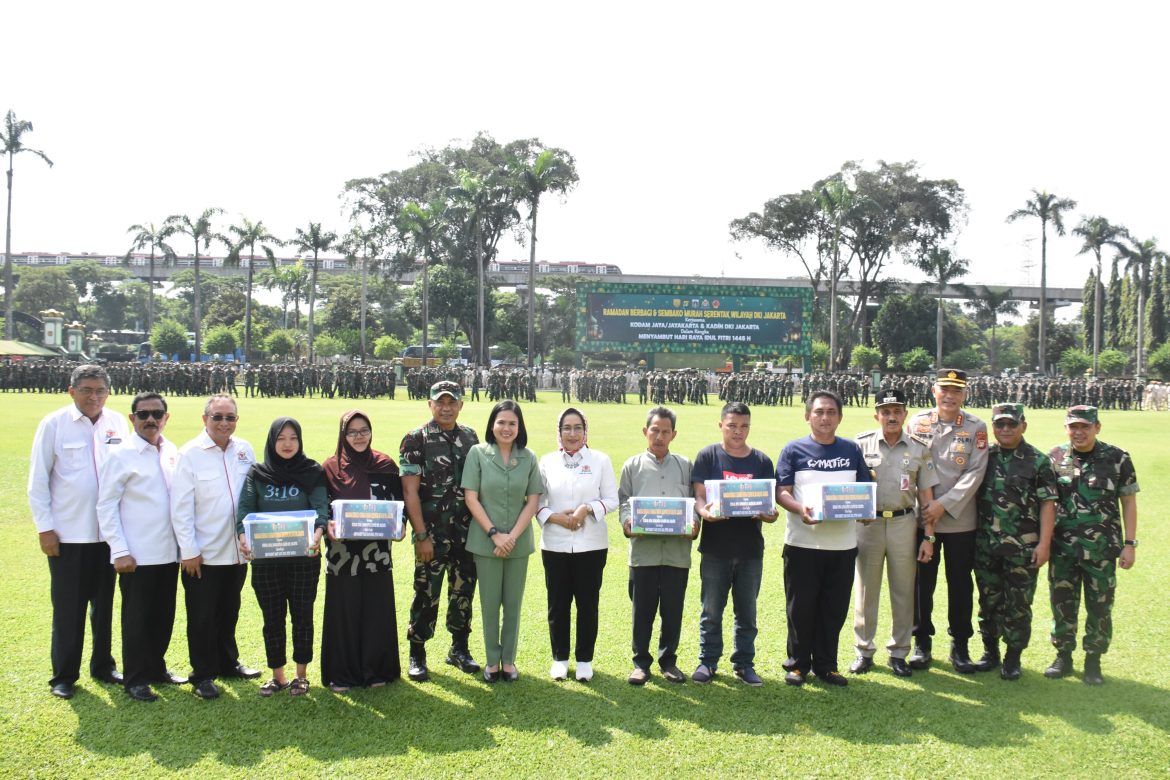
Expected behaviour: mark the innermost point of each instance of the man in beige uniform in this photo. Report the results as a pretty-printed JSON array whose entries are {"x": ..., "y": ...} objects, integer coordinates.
[
  {"x": 902, "y": 466},
  {"x": 958, "y": 445}
]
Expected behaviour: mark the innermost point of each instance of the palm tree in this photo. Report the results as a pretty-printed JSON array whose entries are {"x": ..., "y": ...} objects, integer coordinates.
[
  {"x": 1142, "y": 255},
  {"x": 249, "y": 233},
  {"x": 13, "y": 145},
  {"x": 149, "y": 236},
  {"x": 942, "y": 268},
  {"x": 423, "y": 226},
  {"x": 316, "y": 241},
  {"x": 1098, "y": 233},
  {"x": 987, "y": 307},
  {"x": 835, "y": 200},
  {"x": 290, "y": 280},
  {"x": 553, "y": 170},
  {"x": 1046, "y": 208},
  {"x": 199, "y": 229},
  {"x": 362, "y": 246}
]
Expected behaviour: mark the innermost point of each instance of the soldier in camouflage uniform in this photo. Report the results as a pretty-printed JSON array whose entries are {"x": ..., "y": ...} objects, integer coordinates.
[
  {"x": 431, "y": 459},
  {"x": 1016, "y": 508},
  {"x": 1093, "y": 477}
]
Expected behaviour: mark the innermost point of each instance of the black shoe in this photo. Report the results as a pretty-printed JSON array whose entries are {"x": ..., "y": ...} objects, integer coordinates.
[
  {"x": 1011, "y": 670},
  {"x": 833, "y": 678},
  {"x": 206, "y": 689},
  {"x": 170, "y": 678},
  {"x": 960, "y": 659},
  {"x": 111, "y": 676},
  {"x": 860, "y": 665},
  {"x": 461, "y": 659},
  {"x": 672, "y": 674},
  {"x": 1061, "y": 666},
  {"x": 1092, "y": 675},
  {"x": 900, "y": 667},
  {"x": 63, "y": 690},
  {"x": 920, "y": 658},
  {"x": 242, "y": 672},
  {"x": 639, "y": 676},
  {"x": 990, "y": 658},
  {"x": 491, "y": 677},
  {"x": 511, "y": 676},
  {"x": 417, "y": 670},
  {"x": 141, "y": 693},
  {"x": 794, "y": 677}
]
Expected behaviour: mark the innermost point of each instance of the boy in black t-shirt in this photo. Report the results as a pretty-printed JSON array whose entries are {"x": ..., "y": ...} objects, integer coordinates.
[{"x": 731, "y": 549}]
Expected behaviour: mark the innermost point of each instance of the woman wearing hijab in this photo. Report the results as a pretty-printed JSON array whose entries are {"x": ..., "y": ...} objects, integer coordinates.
[
  {"x": 359, "y": 646},
  {"x": 579, "y": 491},
  {"x": 286, "y": 481},
  {"x": 501, "y": 485}
]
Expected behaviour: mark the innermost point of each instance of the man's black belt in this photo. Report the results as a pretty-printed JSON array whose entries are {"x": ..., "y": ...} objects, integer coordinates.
[{"x": 896, "y": 513}]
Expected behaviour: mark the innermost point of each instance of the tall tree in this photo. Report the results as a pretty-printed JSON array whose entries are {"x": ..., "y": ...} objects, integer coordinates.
[
  {"x": 248, "y": 234},
  {"x": 988, "y": 307},
  {"x": 1156, "y": 310},
  {"x": 424, "y": 226},
  {"x": 835, "y": 200},
  {"x": 200, "y": 231},
  {"x": 156, "y": 238},
  {"x": 12, "y": 139},
  {"x": 313, "y": 240},
  {"x": 1045, "y": 207},
  {"x": 943, "y": 268},
  {"x": 363, "y": 247},
  {"x": 291, "y": 280},
  {"x": 1139, "y": 256},
  {"x": 1113, "y": 307},
  {"x": 552, "y": 170},
  {"x": 1097, "y": 233}
]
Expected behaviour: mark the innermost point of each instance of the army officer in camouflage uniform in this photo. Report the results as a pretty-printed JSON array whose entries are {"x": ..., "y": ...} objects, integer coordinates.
[
  {"x": 1088, "y": 545},
  {"x": 1016, "y": 510},
  {"x": 431, "y": 459},
  {"x": 958, "y": 444}
]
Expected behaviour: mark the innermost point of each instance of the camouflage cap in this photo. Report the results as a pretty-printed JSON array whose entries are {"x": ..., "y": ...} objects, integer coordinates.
[
  {"x": 889, "y": 398},
  {"x": 1007, "y": 412},
  {"x": 440, "y": 389},
  {"x": 951, "y": 377},
  {"x": 1081, "y": 414}
]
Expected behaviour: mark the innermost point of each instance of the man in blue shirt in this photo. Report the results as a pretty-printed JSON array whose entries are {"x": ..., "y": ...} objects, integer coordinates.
[{"x": 819, "y": 556}]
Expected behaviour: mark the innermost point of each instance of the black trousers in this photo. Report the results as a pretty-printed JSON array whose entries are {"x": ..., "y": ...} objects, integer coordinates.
[
  {"x": 958, "y": 552},
  {"x": 148, "y": 618},
  {"x": 213, "y": 608},
  {"x": 81, "y": 578},
  {"x": 817, "y": 586},
  {"x": 657, "y": 590},
  {"x": 287, "y": 587},
  {"x": 359, "y": 639},
  {"x": 571, "y": 577}
]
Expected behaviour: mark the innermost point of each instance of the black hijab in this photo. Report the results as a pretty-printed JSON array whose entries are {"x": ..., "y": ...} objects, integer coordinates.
[{"x": 298, "y": 469}]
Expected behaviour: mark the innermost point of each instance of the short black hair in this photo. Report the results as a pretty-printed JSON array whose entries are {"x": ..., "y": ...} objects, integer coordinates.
[
  {"x": 665, "y": 413},
  {"x": 146, "y": 395},
  {"x": 735, "y": 407},
  {"x": 815, "y": 394},
  {"x": 507, "y": 405}
]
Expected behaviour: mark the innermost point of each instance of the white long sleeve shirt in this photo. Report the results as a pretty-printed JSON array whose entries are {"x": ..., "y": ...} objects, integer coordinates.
[
  {"x": 67, "y": 455},
  {"x": 591, "y": 482},
  {"x": 134, "y": 501},
  {"x": 205, "y": 490}
]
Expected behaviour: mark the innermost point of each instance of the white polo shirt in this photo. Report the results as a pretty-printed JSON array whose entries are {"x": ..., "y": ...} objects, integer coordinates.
[
  {"x": 134, "y": 501},
  {"x": 205, "y": 490},
  {"x": 590, "y": 481},
  {"x": 67, "y": 454}
]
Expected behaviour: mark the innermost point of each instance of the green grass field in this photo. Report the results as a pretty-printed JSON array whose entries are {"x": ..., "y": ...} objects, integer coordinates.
[{"x": 934, "y": 724}]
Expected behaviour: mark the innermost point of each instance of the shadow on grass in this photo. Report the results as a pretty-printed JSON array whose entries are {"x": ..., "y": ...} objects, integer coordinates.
[{"x": 459, "y": 713}]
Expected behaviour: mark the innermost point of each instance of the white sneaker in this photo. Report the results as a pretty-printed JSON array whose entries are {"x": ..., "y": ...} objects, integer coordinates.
[
  {"x": 559, "y": 670},
  {"x": 584, "y": 671}
]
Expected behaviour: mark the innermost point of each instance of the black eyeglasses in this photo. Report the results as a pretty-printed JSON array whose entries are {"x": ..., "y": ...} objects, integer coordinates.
[
  {"x": 146, "y": 414},
  {"x": 1006, "y": 424},
  {"x": 223, "y": 417}
]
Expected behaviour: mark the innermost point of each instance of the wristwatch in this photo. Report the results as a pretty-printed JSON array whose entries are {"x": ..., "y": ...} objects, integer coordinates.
[
  {"x": 492, "y": 531},
  {"x": 931, "y": 539},
  {"x": 419, "y": 536},
  {"x": 1131, "y": 542}
]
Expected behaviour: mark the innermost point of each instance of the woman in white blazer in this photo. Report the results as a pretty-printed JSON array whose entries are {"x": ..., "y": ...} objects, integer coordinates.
[{"x": 579, "y": 491}]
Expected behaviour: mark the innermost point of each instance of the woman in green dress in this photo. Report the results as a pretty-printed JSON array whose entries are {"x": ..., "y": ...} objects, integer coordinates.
[{"x": 502, "y": 486}]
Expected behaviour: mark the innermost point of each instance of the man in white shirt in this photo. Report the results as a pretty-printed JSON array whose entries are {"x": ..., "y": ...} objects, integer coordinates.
[
  {"x": 134, "y": 512},
  {"x": 68, "y": 450},
  {"x": 205, "y": 490}
]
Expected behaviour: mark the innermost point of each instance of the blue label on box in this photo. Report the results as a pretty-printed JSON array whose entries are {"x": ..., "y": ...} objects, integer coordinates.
[{"x": 850, "y": 501}]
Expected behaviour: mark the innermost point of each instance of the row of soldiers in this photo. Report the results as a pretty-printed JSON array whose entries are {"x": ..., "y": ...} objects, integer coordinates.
[
  {"x": 680, "y": 387},
  {"x": 597, "y": 386},
  {"x": 328, "y": 381},
  {"x": 758, "y": 388}
]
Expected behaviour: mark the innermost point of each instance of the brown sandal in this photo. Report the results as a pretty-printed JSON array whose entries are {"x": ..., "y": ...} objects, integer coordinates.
[
  {"x": 272, "y": 686},
  {"x": 298, "y": 687}
]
